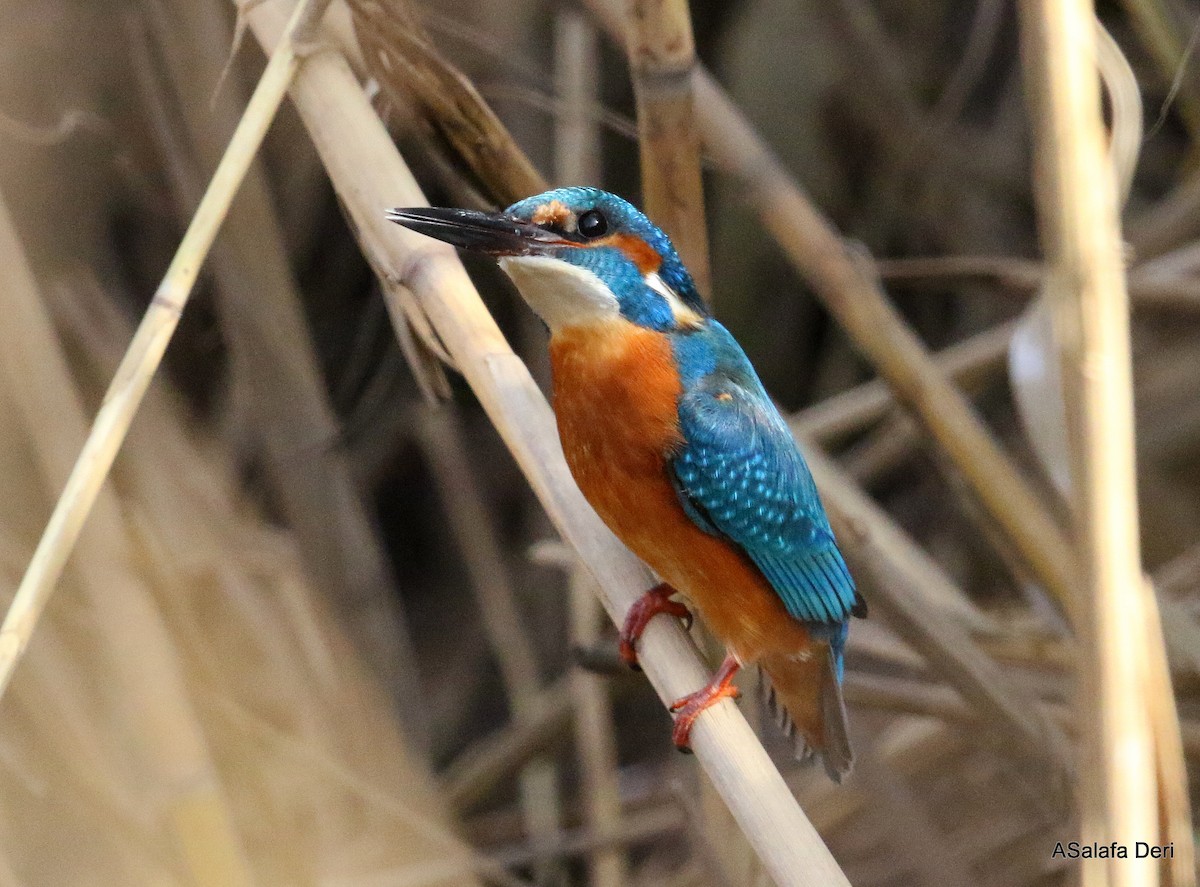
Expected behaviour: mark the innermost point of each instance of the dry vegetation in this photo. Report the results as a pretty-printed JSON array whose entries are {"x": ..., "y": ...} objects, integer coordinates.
[{"x": 337, "y": 615}]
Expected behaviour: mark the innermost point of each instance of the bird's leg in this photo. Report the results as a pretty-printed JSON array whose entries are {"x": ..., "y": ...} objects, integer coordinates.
[
  {"x": 688, "y": 708},
  {"x": 656, "y": 600}
]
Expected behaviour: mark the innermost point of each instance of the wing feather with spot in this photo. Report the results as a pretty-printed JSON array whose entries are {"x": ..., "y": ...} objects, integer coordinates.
[{"x": 740, "y": 475}]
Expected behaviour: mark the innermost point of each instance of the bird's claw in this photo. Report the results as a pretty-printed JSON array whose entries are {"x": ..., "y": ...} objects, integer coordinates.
[
  {"x": 687, "y": 708},
  {"x": 655, "y": 601}
]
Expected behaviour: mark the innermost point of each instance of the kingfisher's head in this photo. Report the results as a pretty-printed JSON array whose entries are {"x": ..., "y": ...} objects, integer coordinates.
[{"x": 578, "y": 255}]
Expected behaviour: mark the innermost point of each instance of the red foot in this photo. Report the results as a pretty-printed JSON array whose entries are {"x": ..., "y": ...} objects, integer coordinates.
[
  {"x": 656, "y": 600},
  {"x": 689, "y": 707}
]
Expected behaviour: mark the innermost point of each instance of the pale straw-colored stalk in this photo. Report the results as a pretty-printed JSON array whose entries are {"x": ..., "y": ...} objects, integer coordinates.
[
  {"x": 145, "y": 352},
  {"x": 1079, "y": 212}
]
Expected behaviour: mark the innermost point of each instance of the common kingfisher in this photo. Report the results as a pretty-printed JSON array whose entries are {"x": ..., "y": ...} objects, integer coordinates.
[{"x": 673, "y": 440}]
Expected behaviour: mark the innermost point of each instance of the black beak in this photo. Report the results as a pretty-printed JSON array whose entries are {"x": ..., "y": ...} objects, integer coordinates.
[{"x": 494, "y": 233}]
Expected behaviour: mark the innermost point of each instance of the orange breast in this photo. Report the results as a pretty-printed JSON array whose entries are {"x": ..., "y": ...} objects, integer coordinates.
[{"x": 616, "y": 395}]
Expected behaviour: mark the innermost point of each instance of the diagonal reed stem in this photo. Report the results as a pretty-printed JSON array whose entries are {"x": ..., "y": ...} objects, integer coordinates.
[{"x": 145, "y": 352}]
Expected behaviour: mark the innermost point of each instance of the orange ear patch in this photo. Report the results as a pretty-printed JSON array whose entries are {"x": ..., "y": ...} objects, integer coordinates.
[
  {"x": 553, "y": 213},
  {"x": 639, "y": 252}
]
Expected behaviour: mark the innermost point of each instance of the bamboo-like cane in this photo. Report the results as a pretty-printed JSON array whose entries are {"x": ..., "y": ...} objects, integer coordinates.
[
  {"x": 1077, "y": 202},
  {"x": 369, "y": 176},
  {"x": 146, "y": 351},
  {"x": 662, "y": 56}
]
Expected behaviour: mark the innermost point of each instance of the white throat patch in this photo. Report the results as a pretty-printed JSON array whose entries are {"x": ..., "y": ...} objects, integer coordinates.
[{"x": 562, "y": 294}]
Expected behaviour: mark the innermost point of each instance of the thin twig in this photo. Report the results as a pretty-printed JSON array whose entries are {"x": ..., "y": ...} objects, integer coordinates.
[{"x": 143, "y": 357}]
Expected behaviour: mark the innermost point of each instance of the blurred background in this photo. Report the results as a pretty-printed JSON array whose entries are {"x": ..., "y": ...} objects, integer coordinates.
[{"x": 318, "y": 629}]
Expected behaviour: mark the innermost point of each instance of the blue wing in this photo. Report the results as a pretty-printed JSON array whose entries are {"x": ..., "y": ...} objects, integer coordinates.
[{"x": 740, "y": 475}]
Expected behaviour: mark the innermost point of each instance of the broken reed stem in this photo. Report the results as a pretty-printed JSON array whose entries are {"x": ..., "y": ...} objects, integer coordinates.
[
  {"x": 145, "y": 353},
  {"x": 1077, "y": 203},
  {"x": 662, "y": 56},
  {"x": 369, "y": 176},
  {"x": 407, "y": 68}
]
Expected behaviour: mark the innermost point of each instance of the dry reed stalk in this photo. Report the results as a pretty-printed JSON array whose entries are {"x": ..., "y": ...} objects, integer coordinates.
[
  {"x": 1077, "y": 202},
  {"x": 595, "y": 742},
  {"x": 164, "y": 735},
  {"x": 853, "y": 410},
  {"x": 287, "y": 706},
  {"x": 271, "y": 350},
  {"x": 495, "y": 758},
  {"x": 439, "y": 434},
  {"x": 145, "y": 352},
  {"x": 577, "y": 157},
  {"x": 369, "y": 176},
  {"x": 1170, "y": 740},
  {"x": 407, "y": 67},
  {"x": 1166, "y": 292},
  {"x": 919, "y": 697},
  {"x": 662, "y": 56},
  {"x": 905, "y": 583}
]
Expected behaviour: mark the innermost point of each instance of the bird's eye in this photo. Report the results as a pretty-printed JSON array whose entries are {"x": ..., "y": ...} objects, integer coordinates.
[{"x": 592, "y": 223}]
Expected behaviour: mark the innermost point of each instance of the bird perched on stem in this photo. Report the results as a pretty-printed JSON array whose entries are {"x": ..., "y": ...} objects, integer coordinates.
[{"x": 672, "y": 439}]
